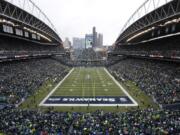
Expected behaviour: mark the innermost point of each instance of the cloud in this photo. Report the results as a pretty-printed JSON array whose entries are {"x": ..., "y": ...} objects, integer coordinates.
[{"x": 75, "y": 18}]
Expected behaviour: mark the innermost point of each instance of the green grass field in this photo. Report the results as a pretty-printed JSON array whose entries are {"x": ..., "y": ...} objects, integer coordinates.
[{"x": 88, "y": 82}]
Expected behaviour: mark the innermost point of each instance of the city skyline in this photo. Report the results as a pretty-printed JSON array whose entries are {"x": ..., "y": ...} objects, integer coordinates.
[
  {"x": 75, "y": 18},
  {"x": 90, "y": 40}
]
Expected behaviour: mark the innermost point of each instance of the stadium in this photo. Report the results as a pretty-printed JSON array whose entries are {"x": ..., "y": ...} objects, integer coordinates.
[{"x": 129, "y": 88}]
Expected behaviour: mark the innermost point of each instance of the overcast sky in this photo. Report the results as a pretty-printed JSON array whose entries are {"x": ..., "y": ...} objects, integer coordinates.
[{"x": 75, "y": 18}]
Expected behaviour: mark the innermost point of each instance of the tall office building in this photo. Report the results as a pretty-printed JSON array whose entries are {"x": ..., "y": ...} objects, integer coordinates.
[
  {"x": 94, "y": 37},
  {"x": 78, "y": 43},
  {"x": 100, "y": 40},
  {"x": 93, "y": 40},
  {"x": 88, "y": 40}
]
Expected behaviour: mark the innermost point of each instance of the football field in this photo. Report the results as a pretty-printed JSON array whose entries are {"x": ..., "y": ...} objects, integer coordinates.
[{"x": 88, "y": 87}]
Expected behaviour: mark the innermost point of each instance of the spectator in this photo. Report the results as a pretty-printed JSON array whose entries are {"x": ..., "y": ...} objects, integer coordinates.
[
  {"x": 21, "y": 79},
  {"x": 158, "y": 79},
  {"x": 149, "y": 122}
]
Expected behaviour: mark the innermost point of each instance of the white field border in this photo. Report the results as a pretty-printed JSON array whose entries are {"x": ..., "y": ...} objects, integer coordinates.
[
  {"x": 86, "y": 105},
  {"x": 42, "y": 102},
  {"x": 122, "y": 88}
]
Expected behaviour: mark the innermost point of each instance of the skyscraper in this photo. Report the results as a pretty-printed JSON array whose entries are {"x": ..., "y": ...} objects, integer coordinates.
[
  {"x": 100, "y": 40},
  {"x": 93, "y": 40},
  {"x": 94, "y": 37},
  {"x": 89, "y": 40}
]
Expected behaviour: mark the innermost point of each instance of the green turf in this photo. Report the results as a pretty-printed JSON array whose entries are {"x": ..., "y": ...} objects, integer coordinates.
[
  {"x": 143, "y": 100},
  {"x": 86, "y": 82}
]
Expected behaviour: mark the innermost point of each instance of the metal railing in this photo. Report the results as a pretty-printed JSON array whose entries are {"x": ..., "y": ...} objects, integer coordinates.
[
  {"x": 30, "y": 7},
  {"x": 147, "y": 7},
  {"x": 151, "y": 11},
  {"x": 27, "y": 12}
]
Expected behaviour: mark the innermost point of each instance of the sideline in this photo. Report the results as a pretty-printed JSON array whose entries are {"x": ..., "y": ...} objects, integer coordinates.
[
  {"x": 42, "y": 102},
  {"x": 122, "y": 88}
]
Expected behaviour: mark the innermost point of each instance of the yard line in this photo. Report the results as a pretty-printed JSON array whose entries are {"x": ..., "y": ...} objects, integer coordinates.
[
  {"x": 94, "y": 89},
  {"x": 93, "y": 86},
  {"x": 82, "y": 87}
]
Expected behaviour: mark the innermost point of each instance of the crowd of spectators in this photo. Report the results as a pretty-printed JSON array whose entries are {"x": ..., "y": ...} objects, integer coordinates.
[
  {"x": 137, "y": 122},
  {"x": 11, "y": 47},
  {"x": 87, "y": 54},
  {"x": 161, "y": 80},
  {"x": 164, "y": 48},
  {"x": 172, "y": 54},
  {"x": 91, "y": 54},
  {"x": 88, "y": 57},
  {"x": 21, "y": 78}
]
